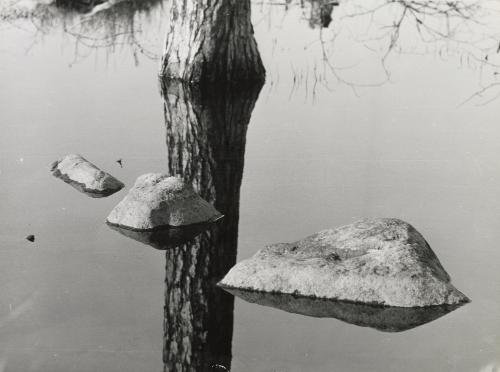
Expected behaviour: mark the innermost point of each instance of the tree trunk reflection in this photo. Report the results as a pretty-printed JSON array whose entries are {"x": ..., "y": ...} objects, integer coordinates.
[{"x": 206, "y": 134}]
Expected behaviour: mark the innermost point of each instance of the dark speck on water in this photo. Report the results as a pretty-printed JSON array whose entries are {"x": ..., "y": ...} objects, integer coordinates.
[{"x": 31, "y": 238}]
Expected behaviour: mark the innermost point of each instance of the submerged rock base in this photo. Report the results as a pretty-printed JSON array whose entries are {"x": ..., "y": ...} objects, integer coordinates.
[
  {"x": 374, "y": 261},
  {"x": 382, "y": 318},
  {"x": 158, "y": 200},
  {"x": 164, "y": 238},
  {"x": 85, "y": 176}
]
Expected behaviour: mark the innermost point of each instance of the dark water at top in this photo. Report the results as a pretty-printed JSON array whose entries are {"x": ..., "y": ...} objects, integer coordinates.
[{"x": 389, "y": 113}]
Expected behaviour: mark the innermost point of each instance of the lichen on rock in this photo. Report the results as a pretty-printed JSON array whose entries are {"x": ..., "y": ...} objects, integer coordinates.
[
  {"x": 85, "y": 176},
  {"x": 382, "y": 261},
  {"x": 158, "y": 200}
]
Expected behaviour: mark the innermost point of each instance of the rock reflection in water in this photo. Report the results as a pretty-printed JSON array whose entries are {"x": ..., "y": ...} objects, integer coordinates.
[
  {"x": 382, "y": 318},
  {"x": 164, "y": 238},
  {"x": 205, "y": 134},
  {"x": 84, "y": 190},
  {"x": 80, "y": 187}
]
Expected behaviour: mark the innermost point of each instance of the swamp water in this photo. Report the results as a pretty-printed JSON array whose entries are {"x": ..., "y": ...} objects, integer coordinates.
[{"x": 365, "y": 113}]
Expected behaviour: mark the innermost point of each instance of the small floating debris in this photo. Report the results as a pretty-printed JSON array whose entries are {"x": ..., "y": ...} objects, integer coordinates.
[
  {"x": 119, "y": 161},
  {"x": 218, "y": 368},
  {"x": 158, "y": 200},
  {"x": 85, "y": 176},
  {"x": 374, "y": 261},
  {"x": 31, "y": 238}
]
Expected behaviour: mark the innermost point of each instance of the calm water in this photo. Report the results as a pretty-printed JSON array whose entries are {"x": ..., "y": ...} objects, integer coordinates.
[{"x": 345, "y": 127}]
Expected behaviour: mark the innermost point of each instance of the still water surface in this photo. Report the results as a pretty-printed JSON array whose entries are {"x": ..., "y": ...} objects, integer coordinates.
[{"x": 346, "y": 126}]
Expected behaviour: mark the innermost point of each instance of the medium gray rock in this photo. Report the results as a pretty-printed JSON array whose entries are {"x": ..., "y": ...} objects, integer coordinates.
[
  {"x": 379, "y": 261},
  {"x": 382, "y": 318},
  {"x": 85, "y": 176},
  {"x": 157, "y": 200}
]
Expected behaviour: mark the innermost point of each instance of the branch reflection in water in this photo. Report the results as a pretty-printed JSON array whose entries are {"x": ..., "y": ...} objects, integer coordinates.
[
  {"x": 355, "y": 44},
  {"x": 93, "y": 25},
  {"x": 359, "y": 46}
]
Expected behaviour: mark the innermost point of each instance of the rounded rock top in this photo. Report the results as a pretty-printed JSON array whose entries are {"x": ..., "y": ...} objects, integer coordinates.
[
  {"x": 383, "y": 261},
  {"x": 159, "y": 200}
]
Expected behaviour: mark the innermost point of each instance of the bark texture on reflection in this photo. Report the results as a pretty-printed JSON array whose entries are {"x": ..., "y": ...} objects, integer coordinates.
[
  {"x": 206, "y": 133},
  {"x": 321, "y": 13},
  {"x": 211, "y": 41}
]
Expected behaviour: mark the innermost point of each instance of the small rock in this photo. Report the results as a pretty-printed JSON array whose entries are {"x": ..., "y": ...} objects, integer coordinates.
[
  {"x": 31, "y": 238},
  {"x": 85, "y": 176},
  {"x": 157, "y": 200},
  {"x": 379, "y": 261}
]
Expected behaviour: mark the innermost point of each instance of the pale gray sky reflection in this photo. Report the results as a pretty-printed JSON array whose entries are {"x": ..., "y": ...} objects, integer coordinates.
[
  {"x": 322, "y": 44},
  {"x": 318, "y": 153}
]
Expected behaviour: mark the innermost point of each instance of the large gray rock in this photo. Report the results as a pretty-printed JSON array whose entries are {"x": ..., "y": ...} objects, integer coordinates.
[
  {"x": 157, "y": 200},
  {"x": 382, "y": 318},
  {"x": 379, "y": 261},
  {"x": 85, "y": 176}
]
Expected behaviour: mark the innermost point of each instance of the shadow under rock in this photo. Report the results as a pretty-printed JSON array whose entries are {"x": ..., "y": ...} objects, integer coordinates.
[
  {"x": 84, "y": 190},
  {"x": 166, "y": 237},
  {"x": 382, "y": 318}
]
